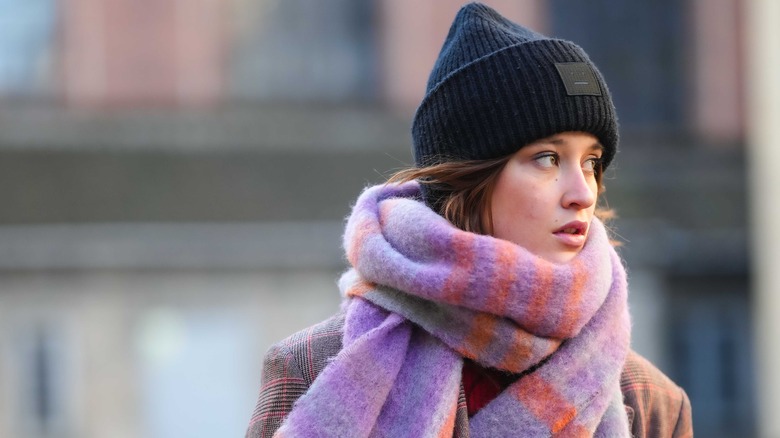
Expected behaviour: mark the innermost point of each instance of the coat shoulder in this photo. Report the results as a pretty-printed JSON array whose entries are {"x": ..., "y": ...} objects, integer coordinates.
[
  {"x": 289, "y": 368},
  {"x": 660, "y": 407},
  {"x": 311, "y": 348}
]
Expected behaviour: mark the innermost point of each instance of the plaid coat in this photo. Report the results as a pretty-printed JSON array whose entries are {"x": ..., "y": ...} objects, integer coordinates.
[{"x": 655, "y": 406}]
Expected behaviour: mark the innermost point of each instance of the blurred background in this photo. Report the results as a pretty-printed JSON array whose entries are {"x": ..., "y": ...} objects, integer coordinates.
[{"x": 174, "y": 176}]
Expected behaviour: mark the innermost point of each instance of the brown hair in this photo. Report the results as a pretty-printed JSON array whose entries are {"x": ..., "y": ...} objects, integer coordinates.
[{"x": 462, "y": 190}]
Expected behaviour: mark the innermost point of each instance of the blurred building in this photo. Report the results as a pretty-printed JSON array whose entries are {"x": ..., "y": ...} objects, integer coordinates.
[{"x": 174, "y": 176}]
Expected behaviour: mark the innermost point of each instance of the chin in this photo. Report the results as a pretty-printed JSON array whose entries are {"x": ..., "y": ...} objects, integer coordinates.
[{"x": 559, "y": 257}]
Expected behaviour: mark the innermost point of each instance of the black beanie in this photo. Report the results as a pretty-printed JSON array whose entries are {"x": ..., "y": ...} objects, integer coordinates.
[{"x": 498, "y": 86}]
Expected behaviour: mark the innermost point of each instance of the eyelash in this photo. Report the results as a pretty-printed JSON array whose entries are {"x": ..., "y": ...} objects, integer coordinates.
[{"x": 596, "y": 161}]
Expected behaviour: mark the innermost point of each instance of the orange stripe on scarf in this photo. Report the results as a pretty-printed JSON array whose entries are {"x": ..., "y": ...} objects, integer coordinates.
[
  {"x": 505, "y": 263},
  {"x": 458, "y": 280},
  {"x": 481, "y": 334},
  {"x": 537, "y": 307},
  {"x": 360, "y": 288},
  {"x": 365, "y": 228},
  {"x": 544, "y": 402},
  {"x": 516, "y": 358},
  {"x": 577, "y": 431},
  {"x": 449, "y": 425},
  {"x": 570, "y": 314}
]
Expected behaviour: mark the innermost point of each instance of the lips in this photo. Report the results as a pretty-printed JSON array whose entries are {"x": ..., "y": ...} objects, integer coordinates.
[
  {"x": 572, "y": 234},
  {"x": 573, "y": 227}
]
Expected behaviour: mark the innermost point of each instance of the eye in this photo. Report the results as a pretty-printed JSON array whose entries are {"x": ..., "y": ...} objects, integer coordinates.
[
  {"x": 547, "y": 160},
  {"x": 591, "y": 164}
]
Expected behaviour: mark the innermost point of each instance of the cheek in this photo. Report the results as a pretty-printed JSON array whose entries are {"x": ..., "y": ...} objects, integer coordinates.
[
  {"x": 531, "y": 200},
  {"x": 535, "y": 204},
  {"x": 517, "y": 205}
]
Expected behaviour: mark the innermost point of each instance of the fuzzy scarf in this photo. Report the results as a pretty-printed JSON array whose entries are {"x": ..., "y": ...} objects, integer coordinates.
[{"x": 423, "y": 294}]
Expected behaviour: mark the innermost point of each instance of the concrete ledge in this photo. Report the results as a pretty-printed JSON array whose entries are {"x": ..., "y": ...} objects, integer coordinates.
[
  {"x": 298, "y": 128},
  {"x": 677, "y": 251},
  {"x": 158, "y": 246}
]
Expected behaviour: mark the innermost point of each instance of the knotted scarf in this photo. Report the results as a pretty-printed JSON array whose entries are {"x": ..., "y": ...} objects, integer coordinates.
[{"x": 422, "y": 294}]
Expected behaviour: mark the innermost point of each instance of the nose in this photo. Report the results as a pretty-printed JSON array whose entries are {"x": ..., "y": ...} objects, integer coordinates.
[{"x": 579, "y": 189}]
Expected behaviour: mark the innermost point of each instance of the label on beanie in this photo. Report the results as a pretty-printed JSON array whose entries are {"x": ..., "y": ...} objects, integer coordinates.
[{"x": 578, "y": 78}]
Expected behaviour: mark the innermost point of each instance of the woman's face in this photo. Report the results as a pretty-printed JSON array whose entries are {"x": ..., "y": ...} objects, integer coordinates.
[{"x": 545, "y": 195}]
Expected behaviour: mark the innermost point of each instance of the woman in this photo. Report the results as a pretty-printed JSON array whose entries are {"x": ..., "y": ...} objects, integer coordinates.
[{"x": 484, "y": 297}]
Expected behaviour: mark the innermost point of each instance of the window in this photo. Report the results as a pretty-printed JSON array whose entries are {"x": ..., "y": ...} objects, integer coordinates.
[
  {"x": 292, "y": 50},
  {"x": 710, "y": 353},
  {"x": 40, "y": 376},
  {"x": 639, "y": 48},
  {"x": 26, "y": 40},
  {"x": 195, "y": 371}
]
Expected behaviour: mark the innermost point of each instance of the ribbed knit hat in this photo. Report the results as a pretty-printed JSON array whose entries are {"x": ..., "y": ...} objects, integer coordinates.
[{"x": 498, "y": 86}]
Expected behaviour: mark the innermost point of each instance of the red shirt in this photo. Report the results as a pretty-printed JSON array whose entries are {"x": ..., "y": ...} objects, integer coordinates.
[{"x": 482, "y": 385}]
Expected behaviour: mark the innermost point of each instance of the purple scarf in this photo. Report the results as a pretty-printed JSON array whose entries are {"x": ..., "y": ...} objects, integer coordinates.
[{"x": 423, "y": 294}]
